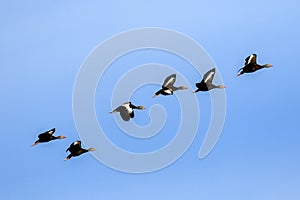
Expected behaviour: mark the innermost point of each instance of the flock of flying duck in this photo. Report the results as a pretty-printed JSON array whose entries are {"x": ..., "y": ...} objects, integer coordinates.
[{"x": 126, "y": 110}]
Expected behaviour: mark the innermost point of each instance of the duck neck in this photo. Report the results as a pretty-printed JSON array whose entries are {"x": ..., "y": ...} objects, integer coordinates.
[
  {"x": 174, "y": 88},
  {"x": 216, "y": 86},
  {"x": 133, "y": 106},
  {"x": 84, "y": 150}
]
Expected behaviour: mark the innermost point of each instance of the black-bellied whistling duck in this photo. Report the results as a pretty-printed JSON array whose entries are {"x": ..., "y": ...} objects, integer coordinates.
[
  {"x": 206, "y": 82},
  {"x": 251, "y": 65},
  {"x": 168, "y": 86},
  {"x": 47, "y": 136},
  {"x": 75, "y": 149},
  {"x": 126, "y": 110}
]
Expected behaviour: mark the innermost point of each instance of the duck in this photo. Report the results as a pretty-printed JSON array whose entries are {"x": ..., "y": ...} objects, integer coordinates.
[
  {"x": 126, "y": 110},
  {"x": 47, "y": 136},
  {"x": 251, "y": 65},
  {"x": 206, "y": 83},
  {"x": 75, "y": 149},
  {"x": 168, "y": 87}
]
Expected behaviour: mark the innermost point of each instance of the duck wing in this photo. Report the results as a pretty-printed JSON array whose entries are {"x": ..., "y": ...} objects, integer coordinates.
[
  {"x": 251, "y": 59},
  {"x": 45, "y": 137},
  {"x": 128, "y": 106},
  {"x": 169, "y": 81},
  {"x": 75, "y": 146},
  {"x": 125, "y": 111},
  {"x": 47, "y": 134},
  {"x": 125, "y": 114},
  {"x": 51, "y": 131},
  {"x": 209, "y": 76}
]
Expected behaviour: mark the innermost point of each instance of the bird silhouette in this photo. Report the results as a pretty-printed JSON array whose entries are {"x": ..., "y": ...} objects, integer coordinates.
[
  {"x": 126, "y": 110},
  {"x": 251, "y": 65},
  {"x": 75, "y": 149},
  {"x": 47, "y": 136},
  {"x": 206, "y": 83},
  {"x": 168, "y": 86}
]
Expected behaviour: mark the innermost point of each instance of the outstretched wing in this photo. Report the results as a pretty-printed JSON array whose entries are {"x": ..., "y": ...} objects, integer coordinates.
[
  {"x": 75, "y": 146},
  {"x": 122, "y": 107},
  {"x": 124, "y": 110},
  {"x": 46, "y": 134},
  {"x": 251, "y": 59},
  {"x": 51, "y": 131},
  {"x": 128, "y": 106},
  {"x": 124, "y": 113},
  {"x": 209, "y": 76},
  {"x": 169, "y": 81}
]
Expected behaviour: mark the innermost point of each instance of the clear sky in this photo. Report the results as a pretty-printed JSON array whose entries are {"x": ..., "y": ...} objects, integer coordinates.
[{"x": 44, "y": 43}]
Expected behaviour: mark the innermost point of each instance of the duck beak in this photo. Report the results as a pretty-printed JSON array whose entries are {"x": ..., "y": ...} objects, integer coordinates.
[{"x": 154, "y": 96}]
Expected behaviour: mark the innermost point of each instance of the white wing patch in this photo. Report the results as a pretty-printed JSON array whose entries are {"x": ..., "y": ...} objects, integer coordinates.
[
  {"x": 250, "y": 59},
  {"x": 170, "y": 81},
  {"x": 126, "y": 105},
  {"x": 76, "y": 143},
  {"x": 209, "y": 76},
  {"x": 168, "y": 91}
]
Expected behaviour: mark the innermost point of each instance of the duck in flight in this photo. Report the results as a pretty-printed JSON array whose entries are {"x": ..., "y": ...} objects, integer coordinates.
[
  {"x": 47, "y": 136},
  {"x": 75, "y": 149},
  {"x": 251, "y": 65},
  {"x": 206, "y": 83},
  {"x": 126, "y": 110},
  {"x": 168, "y": 86}
]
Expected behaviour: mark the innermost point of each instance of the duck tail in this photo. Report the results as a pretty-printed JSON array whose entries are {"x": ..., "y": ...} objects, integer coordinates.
[
  {"x": 68, "y": 157},
  {"x": 240, "y": 72}
]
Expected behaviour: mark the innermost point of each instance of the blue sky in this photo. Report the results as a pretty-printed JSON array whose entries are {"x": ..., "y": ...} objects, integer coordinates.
[{"x": 45, "y": 43}]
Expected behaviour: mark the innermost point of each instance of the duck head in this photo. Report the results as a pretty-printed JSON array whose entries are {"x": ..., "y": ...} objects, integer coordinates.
[
  {"x": 267, "y": 65},
  {"x": 141, "y": 108},
  {"x": 221, "y": 86},
  {"x": 183, "y": 88},
  {"x": 91, "y": 149}
]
